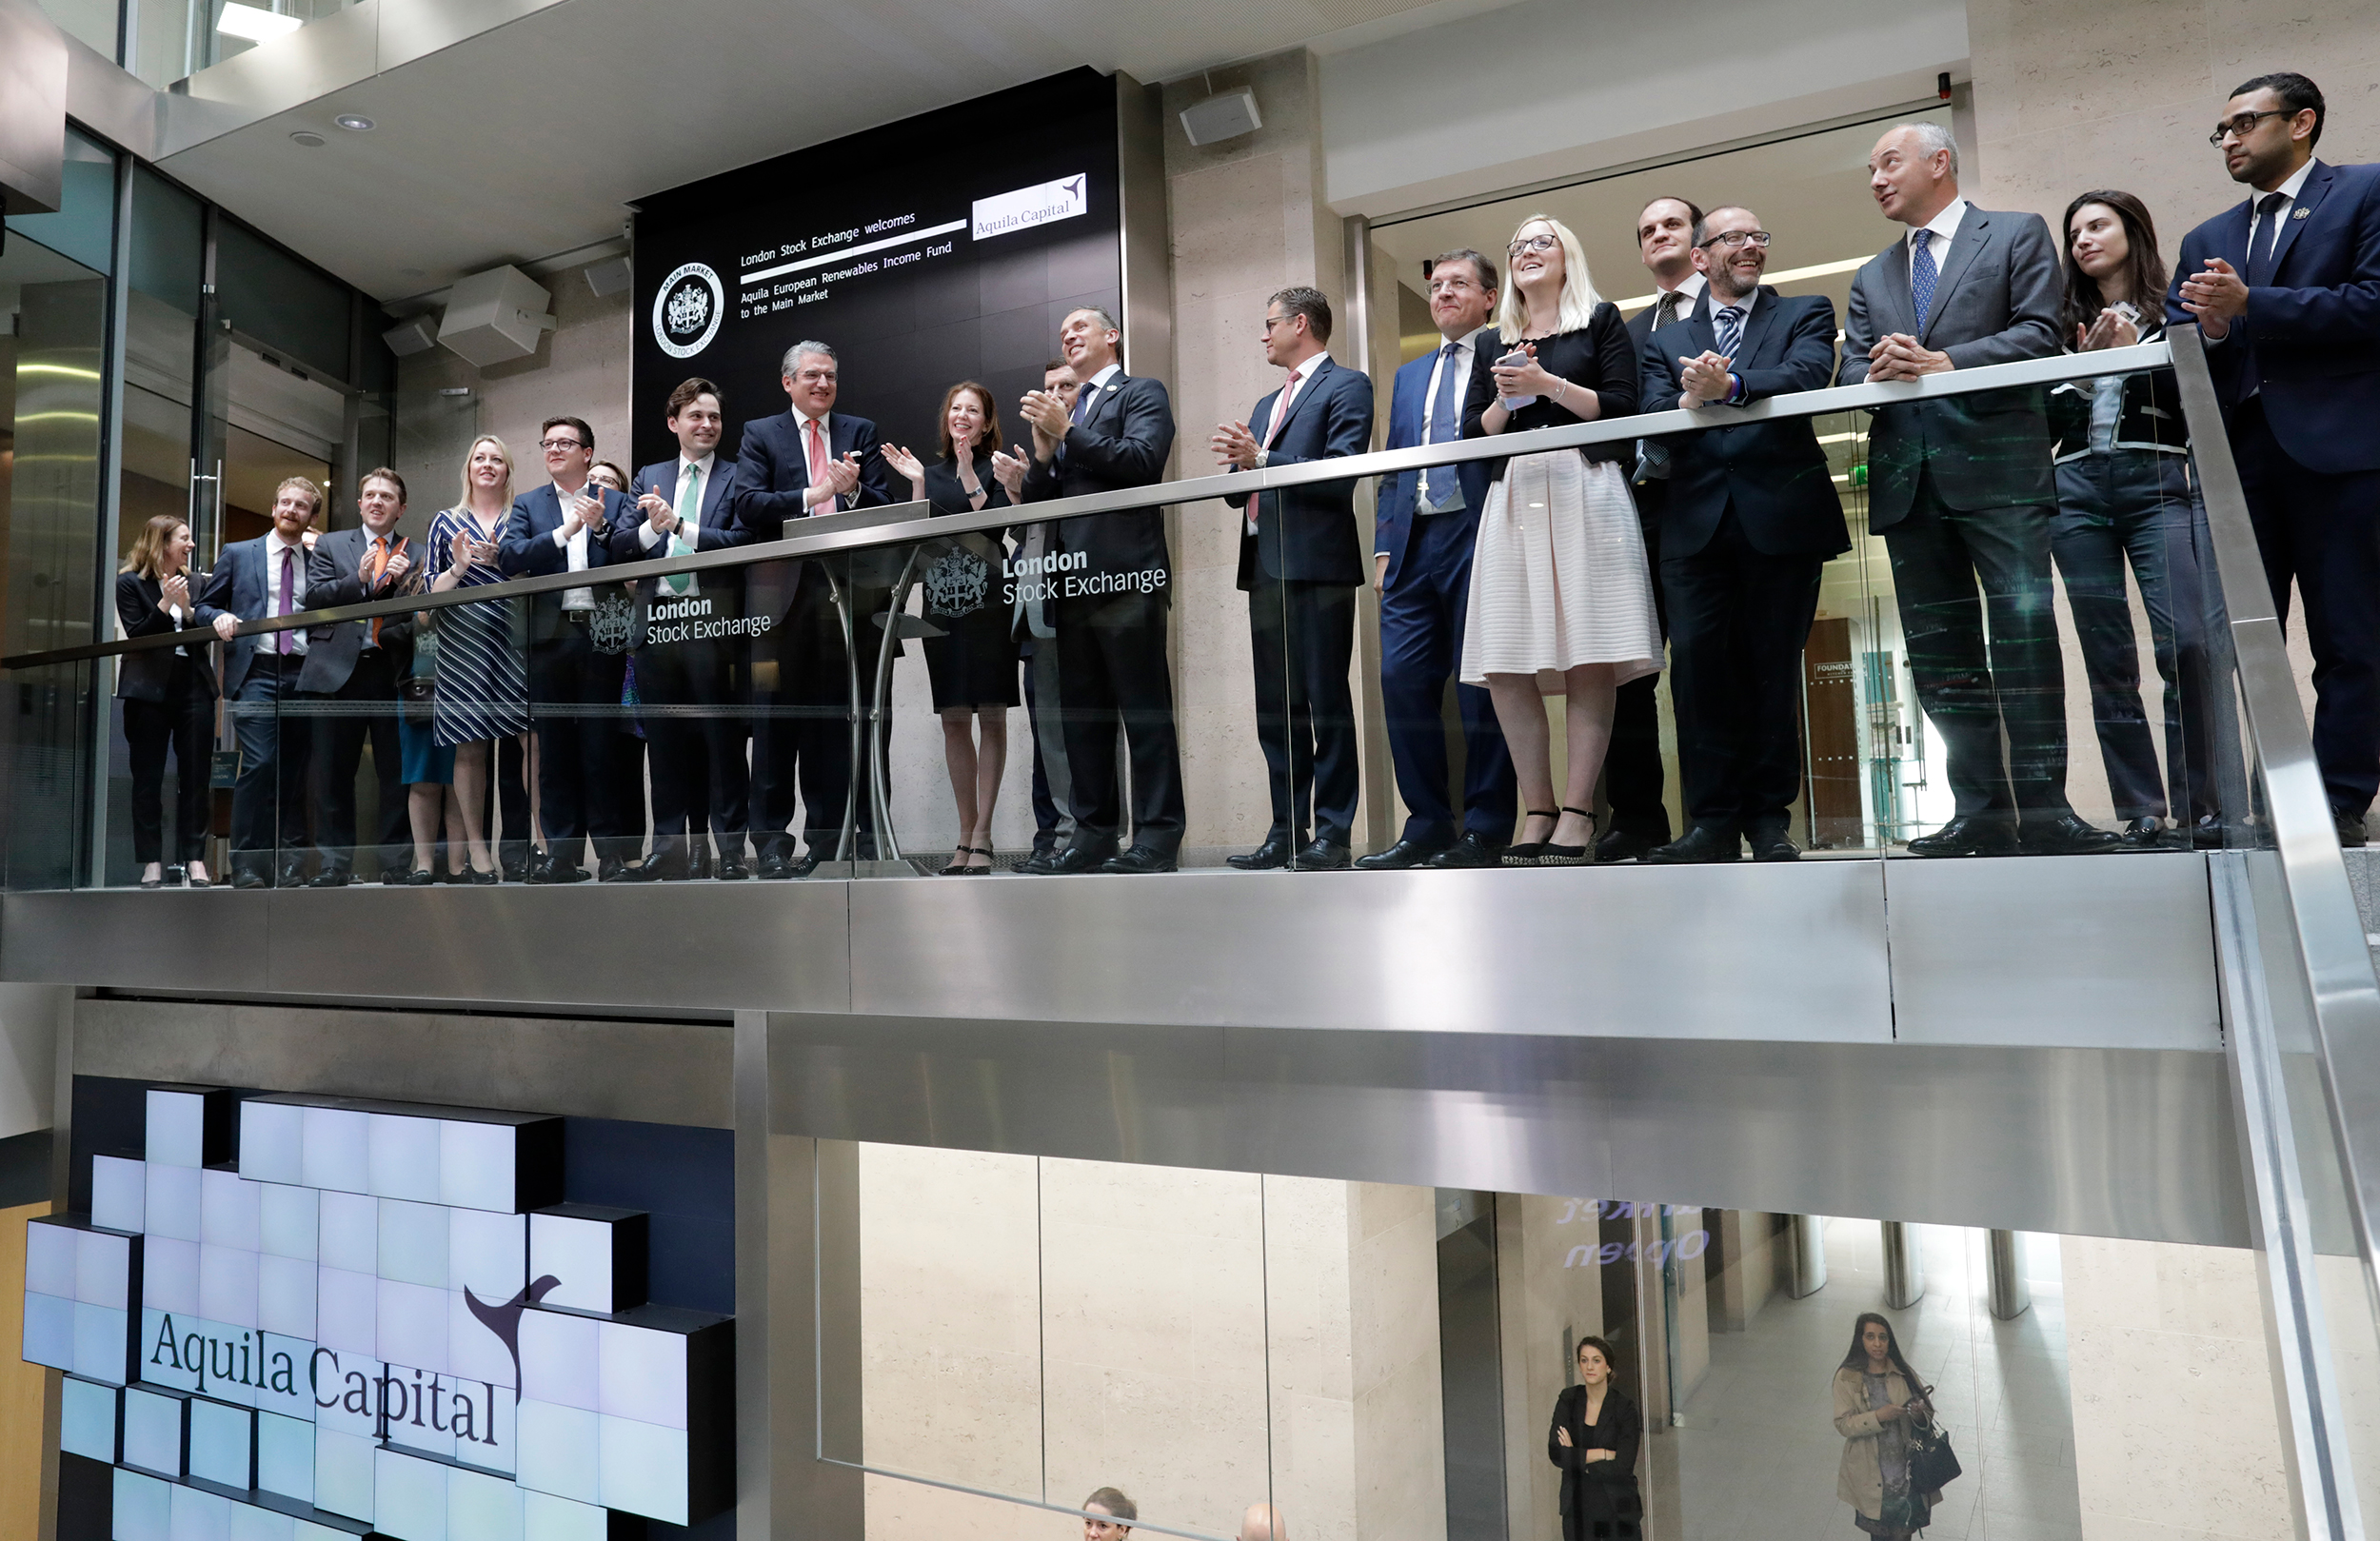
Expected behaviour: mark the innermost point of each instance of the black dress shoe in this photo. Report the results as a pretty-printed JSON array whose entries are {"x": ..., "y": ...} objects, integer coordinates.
[
  {"x": 2350, "y": 828},
  {"x": 802, "y": 865},
  {"x": 1075, "y": 859},
  {"x": 1473, "y": 850},
  {"x": 516, "y": 872},
  {"x": 1705, "y": 842},
  {"x": 772, "y": 868},
  {"x": 331, "y": 877},
  {"x": 669, "y": 870},
  {"x": 2207, "y": 834},
  {"x": 1272, "y": 854},
  {"x": 419, "y": 878},
  {"x": 247, "y": 878},
  {"x": 565, "y": 872},
  {"x": 1769, "y": 842},
  {"x": 291, "y": 876},
  {"x": 1323, "y": 856},
  {"x": 731, "y": 869},
  {"x": 2066, "y": 835},
  {"x": 1140, "y": 859},
  {"x": 1404, "y": 854},
  {"x": 2142, "y": 834},
  {"x": 697, "y": 861},
  {"x": 1968, "y": 835},
  {"x": 1628, "y": 845}
]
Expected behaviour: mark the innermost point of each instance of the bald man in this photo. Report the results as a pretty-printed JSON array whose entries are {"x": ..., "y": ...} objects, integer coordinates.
[{"x": 1262, "y": 1522}]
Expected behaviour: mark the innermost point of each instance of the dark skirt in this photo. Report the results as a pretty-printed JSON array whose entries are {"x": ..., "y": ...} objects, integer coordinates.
[
  {"x": 1601, "y": 1509},
  {"x": 974, "y": 661}
]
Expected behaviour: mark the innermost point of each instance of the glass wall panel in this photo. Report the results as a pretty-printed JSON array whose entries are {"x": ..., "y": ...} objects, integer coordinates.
[
  {"x": 177, "y": 38},
  {"x": 94, "y": 22},
  {"x": 83, "y": 229},
  {"x": 281, "y": 303}
]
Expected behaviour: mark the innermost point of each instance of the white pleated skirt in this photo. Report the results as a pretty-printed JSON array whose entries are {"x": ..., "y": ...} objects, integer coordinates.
[{"x": 1558, "y": 576}]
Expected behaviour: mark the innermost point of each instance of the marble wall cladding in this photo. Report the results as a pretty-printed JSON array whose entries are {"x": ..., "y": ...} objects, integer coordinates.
[
  {"x": 1398, "y": 1469},
  {"x": 2175, "y": 1431}
]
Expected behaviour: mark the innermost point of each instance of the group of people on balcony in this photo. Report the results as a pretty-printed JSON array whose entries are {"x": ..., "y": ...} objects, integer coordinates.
[{"x": 1575, "y": 571}]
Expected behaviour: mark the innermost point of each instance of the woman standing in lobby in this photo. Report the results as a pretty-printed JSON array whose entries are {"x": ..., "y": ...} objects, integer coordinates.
[
  {"x": 1594, "y": 1441},
  {"x": 1559, "y": 587},
  {"x": 168, "y": 696},
  {"x": 973, "y": 664},
  {"x": 482, "y": 685},
  {"x": 1876, "y": 1395}
]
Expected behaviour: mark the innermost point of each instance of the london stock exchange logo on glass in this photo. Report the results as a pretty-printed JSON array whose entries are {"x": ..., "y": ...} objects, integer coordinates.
[
  {"x": 312, "y": 1317},
  {"x": 957, "y": 583},
  {"x": 687, "y": 311}
]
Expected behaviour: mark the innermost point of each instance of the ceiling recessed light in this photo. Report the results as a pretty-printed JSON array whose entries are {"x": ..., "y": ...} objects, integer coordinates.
[
  {"x": 311, "y": 141},
  {"x": 353, "y": 121},
  {"x": 255, "y": 23}
]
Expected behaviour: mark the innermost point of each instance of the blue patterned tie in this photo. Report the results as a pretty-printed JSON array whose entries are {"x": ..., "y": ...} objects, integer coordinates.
[
  {"x": 1439, "y": 483},
  {"x": 1730, "y": 331},
  {"x": 2265, "y": 242},
  {"x": 1921, "y": 276}
]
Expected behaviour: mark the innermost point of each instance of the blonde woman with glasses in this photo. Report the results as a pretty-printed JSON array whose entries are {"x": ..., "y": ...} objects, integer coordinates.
[{"x": 1559, "y": 589}]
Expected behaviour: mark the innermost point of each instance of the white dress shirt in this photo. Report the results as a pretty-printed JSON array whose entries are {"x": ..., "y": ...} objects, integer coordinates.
[
  {"x": 575, "y": 543},
  {"x": 1743, "y": 325},
  {"x": 1304, "y": 374},
  {"x": 687, "y": 538},
  {"x": 274, "y": 546},
  {"x": 1466, "y": 347},
  {"x": 2268, "y": 232},
  {"x": 1099, "y": 382}
]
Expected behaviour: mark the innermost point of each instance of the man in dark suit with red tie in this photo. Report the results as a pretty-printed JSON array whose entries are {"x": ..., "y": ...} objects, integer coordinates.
[
  {"x": 1300, "y": 565},
  {"x": 807, "y": 461},
  {"x": 2285, "y": 289}
]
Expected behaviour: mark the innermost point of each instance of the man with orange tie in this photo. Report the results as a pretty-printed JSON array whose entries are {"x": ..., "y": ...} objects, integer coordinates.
[
  {"x": 362, "y": 665},
  {"x": 807, "y": 461},
  {"x": 1300, "y": 563}
]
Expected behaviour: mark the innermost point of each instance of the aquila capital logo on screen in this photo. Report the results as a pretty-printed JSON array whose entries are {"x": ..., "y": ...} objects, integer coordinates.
[{"x": 688, "y": 309}]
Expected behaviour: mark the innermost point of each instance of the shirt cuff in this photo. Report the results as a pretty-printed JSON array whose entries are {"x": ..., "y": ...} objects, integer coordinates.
[
  {"x": 647, "y": 537},
  {"x": 562, "y": 540}
]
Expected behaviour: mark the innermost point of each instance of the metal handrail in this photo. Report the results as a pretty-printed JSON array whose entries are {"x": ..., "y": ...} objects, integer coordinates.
[{"x": 834, "y": 534}]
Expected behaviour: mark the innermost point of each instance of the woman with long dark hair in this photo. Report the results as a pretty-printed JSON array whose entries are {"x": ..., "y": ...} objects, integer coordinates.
[
  {"x": 1593, "y": 1439},
  {"x": 2125, "y": 501},
  {"x": 168, "y": 699},
  {"x": 1876, "y": 1395}
]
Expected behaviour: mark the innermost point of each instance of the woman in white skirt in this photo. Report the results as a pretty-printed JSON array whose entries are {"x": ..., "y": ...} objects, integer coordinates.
[{"x": 1558, "y": 582}]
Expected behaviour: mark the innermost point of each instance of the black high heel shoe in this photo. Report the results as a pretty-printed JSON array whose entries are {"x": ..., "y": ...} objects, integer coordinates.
[
  {"x": 1526, "y": 854},
  {"x": 1551, "y": 855}
]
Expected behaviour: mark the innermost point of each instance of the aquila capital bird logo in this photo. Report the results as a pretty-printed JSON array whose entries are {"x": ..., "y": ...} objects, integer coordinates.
[{"x": 505, "y": 1320}]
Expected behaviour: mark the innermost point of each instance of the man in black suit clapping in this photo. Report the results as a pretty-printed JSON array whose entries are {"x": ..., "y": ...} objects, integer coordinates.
[
  {"x": 1750, "y": 518},
  {"x": 1111, "y": 601}
]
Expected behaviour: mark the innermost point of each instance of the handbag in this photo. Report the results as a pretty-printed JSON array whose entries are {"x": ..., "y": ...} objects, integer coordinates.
[
  {"x": 1932, "y": 1462},
  {"x": 418, "y": 692}
]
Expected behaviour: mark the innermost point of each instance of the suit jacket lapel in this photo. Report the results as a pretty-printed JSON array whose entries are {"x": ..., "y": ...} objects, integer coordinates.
[
  {"x": 1963, "y": 249},
  {"x": 1297, "y": 404},
  {"x": 2309, "y": 195},
  {"x": 1759, "y": 328},
  {"x": 1895, "y": 260}
]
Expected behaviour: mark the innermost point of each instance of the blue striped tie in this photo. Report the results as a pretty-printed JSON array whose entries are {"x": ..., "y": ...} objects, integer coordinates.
[
  {"x": 1730, "y": 331},
  {"x": 1439, "y": 482},
  {"x": 1922, "y": 274}
]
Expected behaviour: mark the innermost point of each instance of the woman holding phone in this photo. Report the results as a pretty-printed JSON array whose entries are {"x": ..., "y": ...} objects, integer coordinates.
[
  {"x": 483, "y": 691},
  {"x": 169, "y": 698},
  {"x": 1560, "y": 588}
]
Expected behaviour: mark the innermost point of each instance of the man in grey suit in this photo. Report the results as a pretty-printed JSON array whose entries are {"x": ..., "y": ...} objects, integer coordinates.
[{"x": 1961, "y": 489}]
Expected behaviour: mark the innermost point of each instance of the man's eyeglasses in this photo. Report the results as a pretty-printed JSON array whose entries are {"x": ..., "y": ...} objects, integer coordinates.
[
  {"x": 1533, "y": 242},
  {"x": 560, "y": 446},
  {"x": 2244, "y": 125},
  {"x": 1271, "y": 322},
  {"x": 1732, "y": 239}
]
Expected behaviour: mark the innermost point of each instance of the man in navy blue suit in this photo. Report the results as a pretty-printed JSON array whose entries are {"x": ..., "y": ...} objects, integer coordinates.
[
  {"x": 1749, "y": 520},
  {"x": 685, "y": 659},
  {"x": 1421, "y": 570},
  {"x": 1300, "y": 565},
  {"x": 2286, "y": 288},
  {"x": 255, "y": 580},
  {"x": 808, "y": 460},
  {"x": 578, "y": 656}
]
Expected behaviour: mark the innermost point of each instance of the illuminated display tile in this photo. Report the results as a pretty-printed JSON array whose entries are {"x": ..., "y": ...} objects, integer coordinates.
[{"x": 316, "y": 1317}]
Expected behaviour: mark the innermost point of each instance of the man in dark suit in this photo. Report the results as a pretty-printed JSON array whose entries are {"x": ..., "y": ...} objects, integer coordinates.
[
  {"x": 2283, "y": 286},
  {"x": 255, "y": 580},
  {"x": 1037, "y": 646},
  {"x": 1749, "y": 517},
  {"x": 685, "y": 658},
  {"x": 1111, "y": 600},
  {"x": 1300, "y": 565},
  {"x": 1422, "y": 530},
  {"x": 1961, "y": 489},
  {"x": 578, "y": 656},
  {"x": 807, "y": 460},
  {"x": 1633, "y": 779},
  {"x": 357, "y": 668}
]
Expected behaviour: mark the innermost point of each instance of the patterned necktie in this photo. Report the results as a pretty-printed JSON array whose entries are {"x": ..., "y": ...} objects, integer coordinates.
[
  {"x": 1441, "y": 482},
  {"x": 1272, "y": 429},
  {"x": 1730, "y": 331},
  {"x": 380, "y": 567},
  {"x": 1081, "y": 405},
  {"x": 1665, "y": 312},
  {"x": 1922, "y": 274},
  {"x": 690, "y": 498},
  {"x": 2263, "y": 243},
  {"x": 282, "y": 640},
  {"x": 818, "y": 464}
]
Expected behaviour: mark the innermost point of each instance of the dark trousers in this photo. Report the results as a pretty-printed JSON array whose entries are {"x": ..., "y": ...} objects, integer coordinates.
[
  {"x": 1632, "y": 766},
  {"x": 2323, "y": 531},
  {"x": 2134, "y": 508},
  {"x": 1971, "y": 690},
  {"x": 574, "y": 703},
  {"x": 364, "y": 708},
  {"x": 1738, "y": 619},
  {"x": 268, "y": 799},
  {"x": 1302, "y": 638},
  {"x": 184, "y": 720},
  {"x": 1113, "y": 673},
  {"x": 800, "y": 725},
  {"x": 1422, "y": 610},
  {"x": 1052, "y": 822},
  {"x": 695, "y": 736}
]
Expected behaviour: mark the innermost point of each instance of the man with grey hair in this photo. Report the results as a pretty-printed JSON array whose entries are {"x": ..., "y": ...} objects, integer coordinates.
[
  {"x": 1962, "y": 491},
  {"x": 807, "y": 461}
]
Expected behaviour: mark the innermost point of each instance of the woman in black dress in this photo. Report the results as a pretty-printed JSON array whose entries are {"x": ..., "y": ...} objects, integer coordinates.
[
  {"x": 168, "y": 699},
  {"x": 973, "y": 663},
  {"x": 1596, "y": 1432}
]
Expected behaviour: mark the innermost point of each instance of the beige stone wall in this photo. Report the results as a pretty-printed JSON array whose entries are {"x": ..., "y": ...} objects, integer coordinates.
[{"x": 1550, "y": 1296}]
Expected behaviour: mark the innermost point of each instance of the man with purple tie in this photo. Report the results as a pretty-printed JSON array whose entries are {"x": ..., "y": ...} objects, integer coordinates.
[{"x": 257, "y": 581}]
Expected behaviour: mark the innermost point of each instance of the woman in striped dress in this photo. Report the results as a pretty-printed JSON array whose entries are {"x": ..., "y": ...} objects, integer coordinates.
[
  {"x": 1559, "y": 587},
  {"x": 483, "y": 688}
]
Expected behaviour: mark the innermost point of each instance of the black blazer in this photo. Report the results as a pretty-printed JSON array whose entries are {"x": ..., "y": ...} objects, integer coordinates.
[
  {"x": 1125, "y": 434},
  {"x": 1774, "y": 472},
  {"x": 334, "y": 575},
  {"x": 772, "y": 472},
  {"x": 1309, "y": 534},
  {"x": 1600, "y": 356},
  {"x": 527, "y": 548},
  {"x": 2150, "y": 418},
  {"x": 1620, "y": 1429},
  {"x": 946, "y": 497},
  {"x": 147, "y": 675}
]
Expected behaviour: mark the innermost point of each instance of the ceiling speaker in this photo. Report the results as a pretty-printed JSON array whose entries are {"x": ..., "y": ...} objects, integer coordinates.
[
  {"x": 608, "y": 278},
  {"x": 1223, "y": 117},
  {"x": 494, "y": 317},
  {"x": 417, "y": 335}
]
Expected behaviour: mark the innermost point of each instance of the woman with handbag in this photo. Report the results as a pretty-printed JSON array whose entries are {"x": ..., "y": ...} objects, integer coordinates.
[
  {"x": 1593, "y": 1439},
  {"x": 1878, "y": 1402}
]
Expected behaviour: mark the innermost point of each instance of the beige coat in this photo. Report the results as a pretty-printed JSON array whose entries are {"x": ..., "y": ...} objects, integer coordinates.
[{"x": 1860, "y": 1483}]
